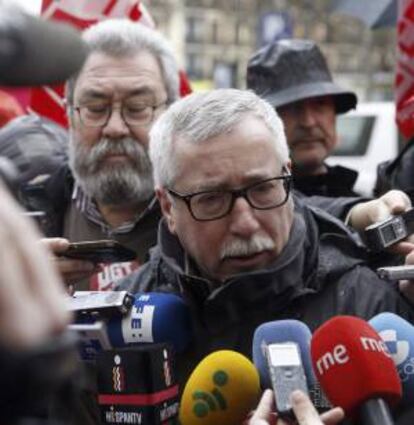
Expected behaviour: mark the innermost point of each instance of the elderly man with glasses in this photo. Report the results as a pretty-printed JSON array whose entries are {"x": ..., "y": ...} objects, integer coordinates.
[
  {"x": 128, "y": 79},
  {"x": 234, "y": 241}
]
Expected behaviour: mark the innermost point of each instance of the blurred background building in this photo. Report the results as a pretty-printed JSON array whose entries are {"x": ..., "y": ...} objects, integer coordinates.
[{"x": 214, "y": 39}]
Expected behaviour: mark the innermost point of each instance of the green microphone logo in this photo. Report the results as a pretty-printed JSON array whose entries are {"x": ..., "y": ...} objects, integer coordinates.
[{"x": 206, "y": 402}]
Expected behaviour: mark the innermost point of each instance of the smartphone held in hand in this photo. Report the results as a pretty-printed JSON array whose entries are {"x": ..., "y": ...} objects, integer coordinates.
[{"x": 102, "y": 251}]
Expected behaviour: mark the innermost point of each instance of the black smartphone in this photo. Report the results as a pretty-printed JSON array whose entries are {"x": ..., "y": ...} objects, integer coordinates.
[{"x": 103, "y": 251}]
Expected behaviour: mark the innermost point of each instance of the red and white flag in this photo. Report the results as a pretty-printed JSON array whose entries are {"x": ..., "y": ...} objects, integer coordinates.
[
  {"x": 404, "y": 75},
  {"x": 48, "y": 100},
  {"x": 84, "y": 13}
]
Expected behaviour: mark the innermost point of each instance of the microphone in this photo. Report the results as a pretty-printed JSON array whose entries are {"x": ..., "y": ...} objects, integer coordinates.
[
  {"x": 137, "y": 386},
  {"x": 398, "y": 335},
  {"x": 353, "y": 365},
  {"x": 153, "y": 318},
  {"x": 222, "y": 389},
  {"x": 36, "y": 52},
  {"x": 281, "y": 331}
]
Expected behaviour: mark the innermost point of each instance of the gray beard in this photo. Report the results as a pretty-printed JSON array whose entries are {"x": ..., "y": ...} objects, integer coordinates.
[{"x": 126, "y": 183}]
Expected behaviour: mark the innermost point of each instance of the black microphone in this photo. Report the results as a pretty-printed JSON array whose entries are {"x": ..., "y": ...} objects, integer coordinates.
[{"x": 36, "y": 52}]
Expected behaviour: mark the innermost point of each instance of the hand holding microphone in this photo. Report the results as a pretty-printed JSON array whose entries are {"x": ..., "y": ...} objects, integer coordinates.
[
  {"x": 304, "y": 411},
  {"x": 366, "y": 217}
]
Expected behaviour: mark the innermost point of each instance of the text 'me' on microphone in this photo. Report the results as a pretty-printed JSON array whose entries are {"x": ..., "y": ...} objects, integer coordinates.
[
  {"x": 353, "y": 365},
  {"x": 222, "y": 389}
]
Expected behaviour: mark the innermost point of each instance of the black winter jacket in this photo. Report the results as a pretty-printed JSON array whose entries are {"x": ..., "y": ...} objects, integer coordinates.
[
  {"x": 338, "y": 181},
  {"x": 397, "y": 173},
  {"x": 320, "y": 273}
]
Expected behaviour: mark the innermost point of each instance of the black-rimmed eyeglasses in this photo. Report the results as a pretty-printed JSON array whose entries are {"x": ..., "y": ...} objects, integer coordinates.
[
  {"x": 134, "y": 114},
  {"x": 214, "y": 204}
]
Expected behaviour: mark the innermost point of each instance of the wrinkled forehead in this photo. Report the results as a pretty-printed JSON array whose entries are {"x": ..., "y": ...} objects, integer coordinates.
[
  {"x": 108, "y": 75},
  {"x": 250, "y": 132},
  {"x": 243, "y": 153}
]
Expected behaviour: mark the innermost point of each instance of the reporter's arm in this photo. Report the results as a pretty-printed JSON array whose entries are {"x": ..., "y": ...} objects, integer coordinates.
[
  {"x": 32, "y": 295},
  {"x": 37, "y": 356},
  {"x": 391, "y": 203},
  {"x": 364, "y": 214}
]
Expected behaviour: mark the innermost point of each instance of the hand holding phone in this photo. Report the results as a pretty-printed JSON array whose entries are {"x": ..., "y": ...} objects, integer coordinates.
[
  {"x": 286, "y": 374},
  {"x": 102, "y": 251}
]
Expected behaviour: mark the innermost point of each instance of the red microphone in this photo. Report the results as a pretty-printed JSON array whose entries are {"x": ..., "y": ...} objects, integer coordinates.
[{"x": 355, "y": 369}]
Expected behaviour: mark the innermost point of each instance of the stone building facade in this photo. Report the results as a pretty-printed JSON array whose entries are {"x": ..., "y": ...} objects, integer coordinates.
[{"x": 214, "y": 39}]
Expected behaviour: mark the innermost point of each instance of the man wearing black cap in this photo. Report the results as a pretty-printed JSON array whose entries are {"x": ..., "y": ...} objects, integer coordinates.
[{"x": 292, "y": 75}]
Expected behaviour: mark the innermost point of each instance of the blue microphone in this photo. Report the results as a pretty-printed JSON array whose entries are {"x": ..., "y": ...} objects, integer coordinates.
[
  {"x": 154, "y": 318},
  {"x": 282, "y": 331},
  {"x": 398, "y": 335}
]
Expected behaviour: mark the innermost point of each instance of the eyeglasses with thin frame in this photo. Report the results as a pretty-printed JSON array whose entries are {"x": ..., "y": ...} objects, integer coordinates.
[
  {"x": 211, "y": 205},
  {"x": 134, "y": 114}
]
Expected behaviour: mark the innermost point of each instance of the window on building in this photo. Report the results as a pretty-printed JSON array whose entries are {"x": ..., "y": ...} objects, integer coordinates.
[
  {"x": 224, "y": 75},
  {"x": 194, "y": 29},
  {"x": 194, "y": 66}
]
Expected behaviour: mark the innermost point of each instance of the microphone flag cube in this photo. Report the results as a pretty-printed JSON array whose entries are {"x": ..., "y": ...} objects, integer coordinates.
[{"x": 138, "y": 386}]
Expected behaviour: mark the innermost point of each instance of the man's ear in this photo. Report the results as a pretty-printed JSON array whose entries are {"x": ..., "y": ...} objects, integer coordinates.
[
  {"x": 167, "y": 207},
  {"x": 289, "y": 166}
]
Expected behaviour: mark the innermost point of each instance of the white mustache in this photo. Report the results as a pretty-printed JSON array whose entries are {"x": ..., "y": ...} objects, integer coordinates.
[{"x": 244, "y": 248}]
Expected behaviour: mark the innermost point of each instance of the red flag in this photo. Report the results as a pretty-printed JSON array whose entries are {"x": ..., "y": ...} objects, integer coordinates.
[
  {"x": 48, "y": 100},
  {"x": 404, "y": 75}
]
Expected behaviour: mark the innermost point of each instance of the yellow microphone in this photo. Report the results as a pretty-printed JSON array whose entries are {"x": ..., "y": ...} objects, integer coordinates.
[{"x": 222, "y": 389}]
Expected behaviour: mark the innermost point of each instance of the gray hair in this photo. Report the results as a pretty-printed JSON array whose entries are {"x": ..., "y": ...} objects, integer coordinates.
[
  {"x": 202, "y": 116},
  {"x": 122, "y": 38}
]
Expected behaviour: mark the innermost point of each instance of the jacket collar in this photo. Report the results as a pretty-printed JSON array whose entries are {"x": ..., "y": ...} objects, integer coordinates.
[{"x": 275, "y": 286}]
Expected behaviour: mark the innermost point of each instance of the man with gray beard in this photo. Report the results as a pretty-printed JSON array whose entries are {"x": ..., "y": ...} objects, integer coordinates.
[
  {"x": 113, "y": 184},
  {"x": 128, "y": 79},
  {"x": 234, "y": 241}
]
